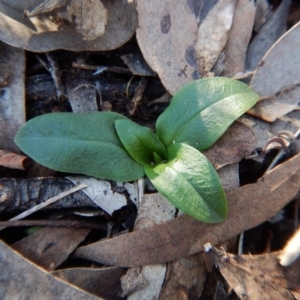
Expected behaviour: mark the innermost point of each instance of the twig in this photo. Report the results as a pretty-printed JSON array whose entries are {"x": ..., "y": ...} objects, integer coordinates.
[
  {"x": 54, "y": 70},
  {"x": 244, "y": 75},
  {"x": 101, "y": 69},
  {"x": 55, "y": 223},
  {"x": 138, "y": 94},
  {"x": 46, "y": 203}
]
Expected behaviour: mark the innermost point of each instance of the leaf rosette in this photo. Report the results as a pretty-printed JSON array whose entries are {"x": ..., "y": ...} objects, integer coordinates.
[{"x": 108, "y": 145}]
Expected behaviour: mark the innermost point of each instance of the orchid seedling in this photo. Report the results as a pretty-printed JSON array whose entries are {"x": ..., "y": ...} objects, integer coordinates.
[{"x": 108, "y": 145}]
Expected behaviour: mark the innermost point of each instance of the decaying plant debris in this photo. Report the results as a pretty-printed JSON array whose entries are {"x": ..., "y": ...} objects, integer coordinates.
[{"x": 118, "y": 240}]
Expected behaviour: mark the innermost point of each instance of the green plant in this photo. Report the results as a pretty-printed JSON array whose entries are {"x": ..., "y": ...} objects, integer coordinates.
[{"x": 110, "y": 146}]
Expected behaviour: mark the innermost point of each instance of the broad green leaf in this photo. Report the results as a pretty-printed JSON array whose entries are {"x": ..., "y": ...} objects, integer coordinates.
[
  {"x": 84, "y": 143},
  {"x": 140, "y": 142},
  {"x": 190, "y": 182},
  {"x": 201, "y": 112}
]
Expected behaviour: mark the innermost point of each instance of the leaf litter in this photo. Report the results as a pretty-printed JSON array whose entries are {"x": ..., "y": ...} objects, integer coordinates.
[
  {"x": 162, "y": 243},
  {"x": 180, "y": 241}
]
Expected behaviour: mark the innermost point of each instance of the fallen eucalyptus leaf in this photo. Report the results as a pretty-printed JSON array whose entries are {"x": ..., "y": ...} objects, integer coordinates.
[
  {"x": 75, "y": 26},
  {"x": 235, "y": 144},
  {"x": 12, "y": 97},
  {"x": 232, "y": 58},
  {"x": 270, "y": 32},
  {"x": 215, "y": 22},
  {"x": 166, "y": 38},
  {"x": 277, "y": 79},
  {"x": 20, "y": 279},
  {"x": 49, "y": 247},
  {"x": 102, "y": 282},
  {"x": 146, "y": 282},
  {"x": 249, "y": 206},
  {"x": 229, "y": 177},
  {"x": 79, "y": 143},
  {"x": 262, "y": 14},
  {"x": 201, "y": 112}
]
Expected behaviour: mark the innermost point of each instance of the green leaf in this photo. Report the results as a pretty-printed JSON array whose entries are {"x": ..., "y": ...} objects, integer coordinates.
[
  {"x": 84, "y": 143},
  {"x": 203, "y": 110},
  {"x": 140, "y": 142},
  {"x": 190, "y": 182}
]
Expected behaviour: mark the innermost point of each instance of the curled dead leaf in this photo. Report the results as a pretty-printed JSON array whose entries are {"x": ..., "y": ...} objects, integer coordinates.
[{"x": 13, "y": 161}]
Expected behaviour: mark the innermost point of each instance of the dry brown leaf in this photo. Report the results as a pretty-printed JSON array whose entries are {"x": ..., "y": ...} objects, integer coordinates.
[
  {"x": 146, "y": 282},
  {"x": 12, "y": 97},
  {"x": 215, "y": 22},
  {"x": 63, "y": 27},
  {"x": 237, "y": 143},
  {"x": 13, "y": 161},
  {"x": 277, "y": 78},
  {"x": 252, "y": 276},
  {"x": 166, "y": 35},
  {"x": 265, "y": 131},
  {"x": 49, "y": 247},
  {"x": 185, "y": 278},
  {"x": 249, "y": 206},
  {"x": 229, "y": 176},
  {"x": 232, "y": 58},
  {"x": 271, "y": 31},
  {"x": 104, "y": 282},
  {"x": 20, "y": 279},
  {"x": 262, "y": 14}
]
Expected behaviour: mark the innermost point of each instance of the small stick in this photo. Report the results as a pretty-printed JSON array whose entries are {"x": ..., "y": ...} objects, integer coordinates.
[
  {"x": 55, "y": 223},
  {"x": 56, "y": 75},
  {"x": 101, "y": 69},
  {"x": 46, "y": 203}
]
